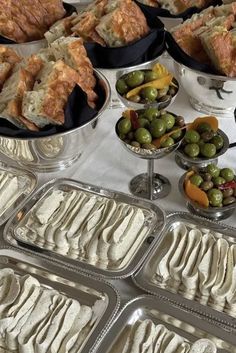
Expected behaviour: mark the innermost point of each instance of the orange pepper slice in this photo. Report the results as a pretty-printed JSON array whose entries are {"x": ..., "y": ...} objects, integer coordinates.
[
  {"x": 194, "y": 192},
  {"x": 211, "y": 120}
]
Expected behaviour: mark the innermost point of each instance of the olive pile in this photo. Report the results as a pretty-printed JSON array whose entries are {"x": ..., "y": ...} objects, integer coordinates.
[
  {"x": 202, "y": 142},
  {"x": 143, "y": 127},
  {"x": 148, "y": 94},
  {"x": 219, "y": 184}
]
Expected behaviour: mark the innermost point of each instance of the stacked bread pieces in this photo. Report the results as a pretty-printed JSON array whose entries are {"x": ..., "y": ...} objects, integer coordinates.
[
  {"x": 37, "y": 91},
  {"x": 28, "y": 20},
  {"x": 209, "y": 37},
  {"x": 177, "y": 6},
  {"x": 111, "y": 23},
  {"x": 8, "y": 59}
]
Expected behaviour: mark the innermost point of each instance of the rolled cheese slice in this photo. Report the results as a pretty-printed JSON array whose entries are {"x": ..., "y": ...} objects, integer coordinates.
[
  {"x": 203, "y": 346},
  {"x": 49, "y": 205}
]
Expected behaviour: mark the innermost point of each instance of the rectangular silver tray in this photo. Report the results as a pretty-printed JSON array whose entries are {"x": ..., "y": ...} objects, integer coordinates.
[
  {"x": 154, "y": 220},
  {"x": 75, "y": 285},
  {"x": 28, "y": 183},
  {"x": 184, "y": 323},
  {"x": 143, "y": 278}
]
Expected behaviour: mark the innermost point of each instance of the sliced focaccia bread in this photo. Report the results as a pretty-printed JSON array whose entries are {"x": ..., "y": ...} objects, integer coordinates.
[
  {"x": 12, "y": 95},
  {"x": 11, "y": 30},
  {"x": 45, "y": 105},
  {"x": 8, "y": 55},
  {"x": 5, "y": 69},
  {"x": 220, "y": 45},
  {"x": 54, "y": 9},
  {"x": 61, "y": 28},
  {"x": 74, "y": 54},
  {"x": 122, "y": 26}
]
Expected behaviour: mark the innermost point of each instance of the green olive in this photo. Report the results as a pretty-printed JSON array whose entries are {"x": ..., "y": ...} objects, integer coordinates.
[
  {"x": 229, "y": 200},
  {"x": 227, "y": 174},
  {"x": 207, "y": 185},
  {"x": 134, "y": 78},
  {"x": 207, "y": 136},
  {"x": 218, "y": 141},
  {"x": 158, "y": 128},
  {"x": 130, "y": 135},
  {"x": 124, "y": 126},
  {"x": 172, "y": 91},
  {"x": 135, "y": 98},
  {"x": 192, "y": 150},
  {"x": 207, "y": 176},
  {"x": 142, "y": 135},
  {"x": 143, "y": 122},
  {"x": 169, "y": 120},
  {"x": 213, "y": 170},
  {"x": 151, "y": 113},
  {"x": 228, "y": 192},
  {"x": 215, "y": 197},
  {"x": 192, "y": 136},
  {"x": 162, "y": 92},
  {"x": 121, "y": 86},
  {"x": 218, "y": 181},
  {"x": 208, "y": 150},
  {"x": 149, "y": 146},
  {"x": 196, "y": 179},
  {"x": 150, "y": 75},
  {"x": 179, "y": 121},
  {"x": 168, "y": 142},
  {"x": 177, "y": 134},
  {"x": 204, "y": 127},
  {"x": 135, "y": 144},
  {"x": 149, "y": 94}
]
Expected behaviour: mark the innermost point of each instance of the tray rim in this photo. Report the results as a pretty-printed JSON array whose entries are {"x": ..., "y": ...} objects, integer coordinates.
[
  {"x": 115, "y": 297},
  {"x": 34, "y": 183},
  {"x": 125, "y": 272},
  {"x": 208, "y": 324},
  {"x": 223, "y": 319}
]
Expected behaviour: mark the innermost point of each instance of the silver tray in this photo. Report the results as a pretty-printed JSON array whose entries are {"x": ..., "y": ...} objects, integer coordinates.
[
  {"x": 154, "y": 220},
  {"x": 186, "y": 324},
  {"x": 27, "y": 184},
  {"x": 74, "y": 284},
  {"x": 144, "y": 277}
]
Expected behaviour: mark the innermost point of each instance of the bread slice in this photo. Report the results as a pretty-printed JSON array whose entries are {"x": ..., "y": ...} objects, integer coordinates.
[
  {"x": 8, "y": 55},
  {"x": 61, "y": 28},
  {"x": 5, "y": 69},
  {"x": 74, "y": 54},
  {"x": 45, "y": 104},
  {"x": 12, "y": 95},
  {"x": 220, "y": 44},
  {"x": 123, "y": 25}
]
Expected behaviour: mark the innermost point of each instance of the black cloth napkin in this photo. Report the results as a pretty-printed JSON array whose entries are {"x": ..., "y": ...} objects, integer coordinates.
[
  {"x": 69, "y": 10},
  {"x": 144, "y": 49},
  {"x": 152, "y": 11},
  {"x": 181, "y": 57},
  {"x": 77, "y": 113}
]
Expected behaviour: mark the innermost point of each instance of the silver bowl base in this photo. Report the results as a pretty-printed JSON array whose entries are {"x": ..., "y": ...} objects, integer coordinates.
[
  {"x": 50, "y": 167},
  {"x": 139, "y": 186},
  {"x": 213, "y": 215},
  {"x": 207, "y": 109},
  {"x": 182, "y": 163}
]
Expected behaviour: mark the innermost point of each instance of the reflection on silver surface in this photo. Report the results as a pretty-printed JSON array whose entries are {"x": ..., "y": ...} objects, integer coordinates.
[
  {"x": 175, "y": 319},
  {"x": 26, "y": 183},
  {"x": 154, "y": 222},
  {"x": 75, "y": 285},
  {"x": 211, "y": 94},
  {"x": 144, "y": 278},
  {"x": 55, "y": 152}
]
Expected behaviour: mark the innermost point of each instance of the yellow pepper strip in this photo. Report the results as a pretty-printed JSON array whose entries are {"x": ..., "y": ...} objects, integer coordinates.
[
  {"x": 158, "y": 142},
  {"x": 160, "y": 70},
  {"x": 158, "y": 84}
]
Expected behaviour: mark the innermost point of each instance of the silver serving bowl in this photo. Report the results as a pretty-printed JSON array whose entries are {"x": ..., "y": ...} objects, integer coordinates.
[
  {"x": 55, "y": 152},
  {"x": 186, "y": 162},
  {"x": 159, "y": 105},
  {"x": 215, "y": 213},
  {"x": 207, "y": 93}
]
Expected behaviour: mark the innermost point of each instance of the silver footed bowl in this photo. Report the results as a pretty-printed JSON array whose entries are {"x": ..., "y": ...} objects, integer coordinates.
[
  {"x": 147, "y": 153},
  {"x": 186, "y": 162},
  {"x": 157, "y": 104},
  {"x": 215, "y": 213},
  {"x": 207, "y": 93},
  {"x": 58, "y": 151}
]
